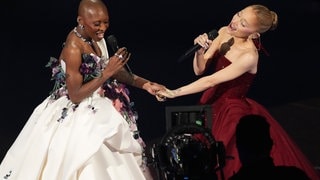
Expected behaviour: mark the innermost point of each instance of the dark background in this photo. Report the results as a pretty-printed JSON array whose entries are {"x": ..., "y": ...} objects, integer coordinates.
[{"x": 157, "y": 33}]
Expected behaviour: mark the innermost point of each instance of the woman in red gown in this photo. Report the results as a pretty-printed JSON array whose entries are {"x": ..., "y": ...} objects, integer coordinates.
[{"x": 235, "y": 54}]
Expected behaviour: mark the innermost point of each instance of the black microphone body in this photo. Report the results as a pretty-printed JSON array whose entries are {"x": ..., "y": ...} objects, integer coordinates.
[
  {"x": 211, "y": 35},
  {"x": 113, "y": 43}
]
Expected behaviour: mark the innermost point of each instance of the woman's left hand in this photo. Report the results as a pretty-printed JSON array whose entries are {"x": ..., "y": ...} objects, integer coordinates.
[{"x": 153, "y": 87}]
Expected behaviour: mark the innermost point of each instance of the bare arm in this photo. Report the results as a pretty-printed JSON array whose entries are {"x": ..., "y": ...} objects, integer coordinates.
[
  {"x": 203, "y": 56},
  {"x": 77, "y": 90},
  {"x": 244, "y": 64},
  {"x": 134, "y": 80}
]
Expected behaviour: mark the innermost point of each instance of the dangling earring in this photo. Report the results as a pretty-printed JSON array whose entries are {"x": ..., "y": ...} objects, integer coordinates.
[
  {"x": 256, "y": 39},
  {"x": 258, "y": 43},
  {"x": 81, "y": 26},
  {"x": 254, "y": 36}
]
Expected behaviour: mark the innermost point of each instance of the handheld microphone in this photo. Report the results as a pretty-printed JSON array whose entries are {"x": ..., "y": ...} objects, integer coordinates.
[
  {"x": 211, "y": 35},
  {"x": 113, "y": 43}
]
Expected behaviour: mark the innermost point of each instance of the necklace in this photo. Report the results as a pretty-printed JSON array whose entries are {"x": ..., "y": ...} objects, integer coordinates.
[{"x": 80, "y": 36}]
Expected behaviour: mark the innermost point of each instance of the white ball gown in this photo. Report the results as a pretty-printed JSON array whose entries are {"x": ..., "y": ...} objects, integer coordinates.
[{"x": 86, "y": 141}]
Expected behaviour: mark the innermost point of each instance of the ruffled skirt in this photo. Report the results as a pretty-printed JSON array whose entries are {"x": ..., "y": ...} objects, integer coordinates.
[{"x": 62, "y": 141}]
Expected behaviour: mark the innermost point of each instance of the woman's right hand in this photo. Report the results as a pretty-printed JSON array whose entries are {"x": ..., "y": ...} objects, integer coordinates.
[
  {"x": 163, "y": 94},
  {"x": 117, "y": 61},
  {"x": 204, "y": 41}
]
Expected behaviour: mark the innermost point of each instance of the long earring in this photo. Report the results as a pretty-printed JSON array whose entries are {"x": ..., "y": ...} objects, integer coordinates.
[
  {"x": 258, "y": 41},
  {"x": 81, "y": 26},
  {"x": 259, "y": 45}
]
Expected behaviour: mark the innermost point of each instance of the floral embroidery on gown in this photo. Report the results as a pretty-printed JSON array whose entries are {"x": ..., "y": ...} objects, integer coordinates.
[{"x": 96, "y": 139}]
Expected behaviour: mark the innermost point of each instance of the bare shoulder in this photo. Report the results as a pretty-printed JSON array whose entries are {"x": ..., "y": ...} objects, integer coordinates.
[
  {"x": 250, "y": 52},
  {"x": 250, "y": 56},
  {"x": 72, "y": 48},
  {"x": 249, "y": 59}
]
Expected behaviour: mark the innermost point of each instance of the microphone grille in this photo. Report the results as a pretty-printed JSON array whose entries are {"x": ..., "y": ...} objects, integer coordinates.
[
  {"x": 212, "y": 34},
  {"x": 112, "y": 42}
]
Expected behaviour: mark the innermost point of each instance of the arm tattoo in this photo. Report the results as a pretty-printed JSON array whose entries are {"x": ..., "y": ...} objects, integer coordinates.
[
  {"x": 124, "y": 77},
  {"x": 67, "y": 75}
]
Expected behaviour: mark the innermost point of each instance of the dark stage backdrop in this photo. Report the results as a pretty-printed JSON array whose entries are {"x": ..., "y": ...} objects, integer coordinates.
[{"x": 157, "y": 33}]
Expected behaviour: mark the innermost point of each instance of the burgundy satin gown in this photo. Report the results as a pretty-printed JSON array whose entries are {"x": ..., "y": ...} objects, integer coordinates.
[{"x": 229, "y": 103}]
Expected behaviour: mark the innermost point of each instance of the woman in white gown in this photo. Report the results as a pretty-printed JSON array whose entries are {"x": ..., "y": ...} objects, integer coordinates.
[{"x": 86, "y": 129}]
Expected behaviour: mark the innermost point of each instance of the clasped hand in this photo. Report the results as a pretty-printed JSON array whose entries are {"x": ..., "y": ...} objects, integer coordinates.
[{"x": 163, "y": 94}]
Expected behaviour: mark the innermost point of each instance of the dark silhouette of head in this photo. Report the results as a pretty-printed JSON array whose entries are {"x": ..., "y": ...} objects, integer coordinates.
[
  {"x": 253, "y": 138},
  {"x": 254, "y": 144}
]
